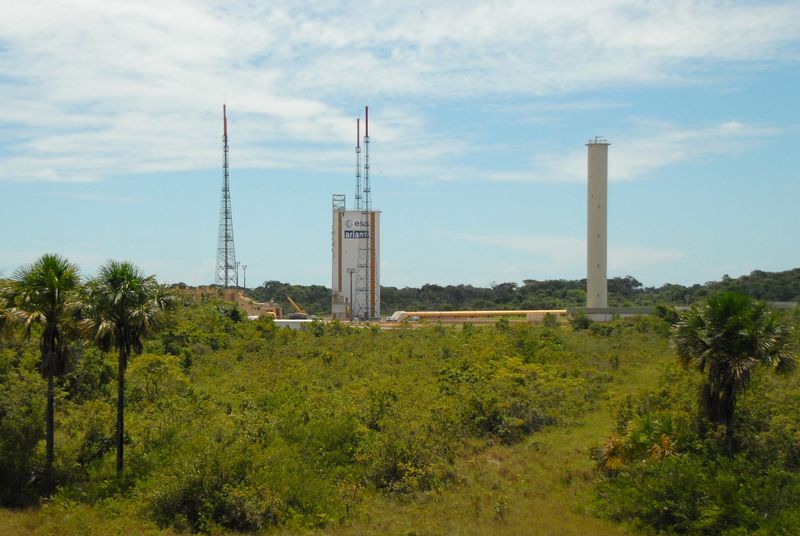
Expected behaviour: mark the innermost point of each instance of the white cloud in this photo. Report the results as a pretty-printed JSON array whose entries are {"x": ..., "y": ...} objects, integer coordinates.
[
  {"x": 96, "y": 88},
  {"x": 645, "y": 148},
  {"x": 89, "y": 196},
  {"x": 562, "y": 254}
]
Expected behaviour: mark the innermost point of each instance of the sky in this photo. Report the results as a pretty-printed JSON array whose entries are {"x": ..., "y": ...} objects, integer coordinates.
[{"x": 111, "y": 127}]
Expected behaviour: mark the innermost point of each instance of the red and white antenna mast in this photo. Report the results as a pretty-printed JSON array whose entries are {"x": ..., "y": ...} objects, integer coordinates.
[
  {"x": 358, "y": 165},
  {"x": 227, "y": 271},
  {"x": 367, "y": 190}
]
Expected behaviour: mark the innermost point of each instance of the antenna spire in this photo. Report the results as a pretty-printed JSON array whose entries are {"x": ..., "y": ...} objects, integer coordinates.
[
  {"x": 364, "y": 302},
  {"x": 227, "y": 271},
  {"x": 358, "y": 165},
  {"x": 367, "y": 190}
]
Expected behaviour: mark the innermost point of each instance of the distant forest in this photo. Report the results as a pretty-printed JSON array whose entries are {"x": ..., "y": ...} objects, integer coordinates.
[{"x": 533, "y": 294}]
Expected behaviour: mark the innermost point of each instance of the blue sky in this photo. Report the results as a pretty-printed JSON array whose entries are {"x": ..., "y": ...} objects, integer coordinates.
[{"x": 110, "y": 135}]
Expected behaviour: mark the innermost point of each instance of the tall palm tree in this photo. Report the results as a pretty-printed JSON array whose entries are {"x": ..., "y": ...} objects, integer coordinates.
[
  {"x": 4, "y": 285},
  {"x": 727, "y": 336},
  {"x": 121, "y": 305},
  {"x": 38, "y": 295}
]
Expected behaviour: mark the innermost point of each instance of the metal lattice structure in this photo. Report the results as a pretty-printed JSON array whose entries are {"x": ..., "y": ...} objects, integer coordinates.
[
  {"x": 363, "y": 301},
  {"x": 227, "y": 271},
  {"x": 358, "y": 166}
]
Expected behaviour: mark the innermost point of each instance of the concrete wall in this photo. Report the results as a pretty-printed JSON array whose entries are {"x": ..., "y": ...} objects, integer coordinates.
[{"x": 606, "y": 314}]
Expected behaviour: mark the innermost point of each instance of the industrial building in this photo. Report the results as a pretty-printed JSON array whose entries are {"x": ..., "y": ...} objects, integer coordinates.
[
  {"x": 356, "y": 245},
  {"x": 356, "y": 286}
]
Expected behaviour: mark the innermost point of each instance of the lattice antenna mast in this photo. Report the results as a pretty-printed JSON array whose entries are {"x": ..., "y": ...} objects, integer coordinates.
[
  {"x": 226, "y": 255},
  {"x": 358, "y": 165},
  {"x": 370, "y": 236},
  {"x": 364, "y": 300},
  {"x": 367, "y": 190},
  {"x": 361, "y": 299}
]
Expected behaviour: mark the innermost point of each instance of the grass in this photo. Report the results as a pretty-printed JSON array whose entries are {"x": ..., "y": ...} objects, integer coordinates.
[
  {"x": 536, "y": 486},
  {"x": 76, "y": 520}
]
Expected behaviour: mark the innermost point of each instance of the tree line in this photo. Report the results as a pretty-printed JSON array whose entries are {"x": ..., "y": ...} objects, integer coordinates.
[{"x": 548, "y": 294}]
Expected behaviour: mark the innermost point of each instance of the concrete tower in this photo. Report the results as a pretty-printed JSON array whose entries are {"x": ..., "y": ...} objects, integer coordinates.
[{"x": 597, "y": 224}]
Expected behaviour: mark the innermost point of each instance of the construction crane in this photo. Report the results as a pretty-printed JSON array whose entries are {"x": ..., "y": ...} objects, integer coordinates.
[{"x": 299, "y": 314}]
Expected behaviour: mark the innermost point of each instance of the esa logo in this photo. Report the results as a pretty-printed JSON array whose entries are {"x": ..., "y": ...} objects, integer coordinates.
[{"x": 358, "y": 224}]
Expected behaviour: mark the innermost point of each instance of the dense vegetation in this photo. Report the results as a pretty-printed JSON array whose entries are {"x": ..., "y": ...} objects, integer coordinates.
[
  {"x": 674, "y": 465},
  {"x": 552, "y": 294},
  {"x": 243, "y": 425},
  {"x": 236, "y": 425}
]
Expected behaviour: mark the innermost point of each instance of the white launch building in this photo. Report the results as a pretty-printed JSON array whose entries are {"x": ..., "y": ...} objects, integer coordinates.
[{"x": 356, "y": 267}]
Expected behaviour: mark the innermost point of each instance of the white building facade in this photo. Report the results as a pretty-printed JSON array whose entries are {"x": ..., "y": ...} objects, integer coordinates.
[{"x": 355, "y": 267}]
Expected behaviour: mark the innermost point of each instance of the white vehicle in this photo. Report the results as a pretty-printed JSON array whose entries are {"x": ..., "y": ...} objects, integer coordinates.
[{"x": 397, "y": 316}]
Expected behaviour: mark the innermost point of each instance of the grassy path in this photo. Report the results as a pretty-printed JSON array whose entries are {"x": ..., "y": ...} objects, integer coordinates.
[{"x": 536, "y": 487}]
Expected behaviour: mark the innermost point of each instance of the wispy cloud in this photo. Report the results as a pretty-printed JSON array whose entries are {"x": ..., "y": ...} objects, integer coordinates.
[
  {"x": 98, "y": 88},
  {"x": 87, "y": 196},
  {"x": 562, "y": 254},
  {"x": 645, "y": 148},
  {"x": 543, "y": 110}
]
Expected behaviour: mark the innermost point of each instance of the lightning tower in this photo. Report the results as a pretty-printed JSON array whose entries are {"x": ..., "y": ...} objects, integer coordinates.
[
  {"x": 227, "y": 272},
  {"x": 358, "y": 165},
  {"x": 361, "y": 301},
  {"x": 367, "y": 190}
]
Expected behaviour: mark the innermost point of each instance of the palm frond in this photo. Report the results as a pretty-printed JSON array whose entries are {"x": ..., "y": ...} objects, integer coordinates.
[
  {"x": 37, "y": 295},
  {"x": 123, "y": 305},
  {"x": 727, "y": 337}
]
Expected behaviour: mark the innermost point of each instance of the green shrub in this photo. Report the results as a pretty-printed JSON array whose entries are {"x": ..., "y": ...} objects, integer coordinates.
[
  {"x": 242, "y": 486},
  {"x": 687, "y": 494},
  {"x": 91, "y": 375},
  {"x": 667, "y": 313},
  {"x": 660, "y": 495},
  {"x": 663, "y": 471},
  {"x": 402, "y": 460},
  {"x": 550, "y": 320},
  {"x": 580, "y": 321},
  {"x": 88, "y": 436},
  {"x": 602, "y": 329},
  {"x": 21, "y": 430},
  {"x": 152, "y": 378}
]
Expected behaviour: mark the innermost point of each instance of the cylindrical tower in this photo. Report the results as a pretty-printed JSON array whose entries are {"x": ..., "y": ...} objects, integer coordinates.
[{"x": 597, "y": 224}]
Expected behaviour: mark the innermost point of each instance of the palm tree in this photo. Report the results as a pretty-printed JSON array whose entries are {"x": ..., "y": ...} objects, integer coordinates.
[
  {"x": 121, "y": 305},
  {"x": 3, "y": 311},
  {"x": 727, "y": 336},
  {"x": 38, "y": 295}
]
